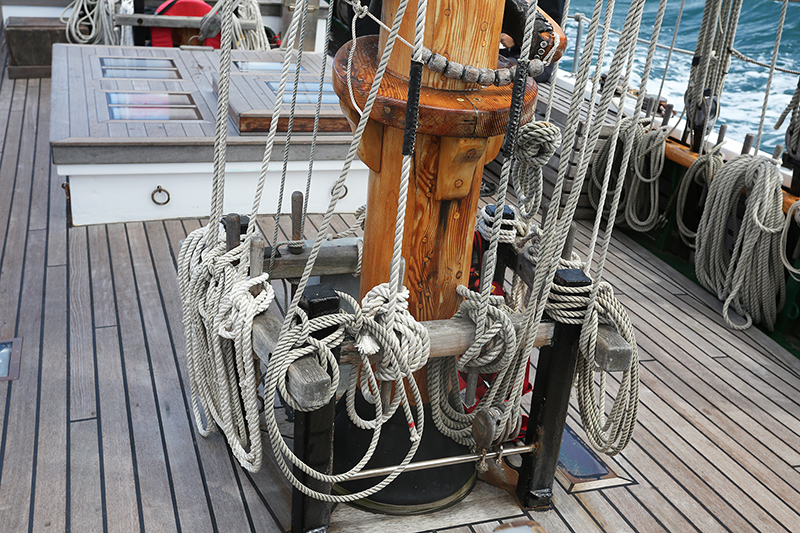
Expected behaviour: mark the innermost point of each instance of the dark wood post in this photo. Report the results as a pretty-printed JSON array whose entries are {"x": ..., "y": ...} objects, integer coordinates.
[
  {"x": 313, "y": 431},
  {"x": 551, "y": 389}
]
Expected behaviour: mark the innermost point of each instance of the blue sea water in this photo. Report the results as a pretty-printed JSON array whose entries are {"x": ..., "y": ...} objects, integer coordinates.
[{"x": 745, "y": 85}]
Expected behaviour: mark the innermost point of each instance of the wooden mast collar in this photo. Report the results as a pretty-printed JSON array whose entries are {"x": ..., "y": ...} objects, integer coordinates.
[{"x": 481, "y": 113}]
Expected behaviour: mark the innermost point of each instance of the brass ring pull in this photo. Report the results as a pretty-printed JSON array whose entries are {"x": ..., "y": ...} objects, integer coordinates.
[{"x": 157, "y": 190}]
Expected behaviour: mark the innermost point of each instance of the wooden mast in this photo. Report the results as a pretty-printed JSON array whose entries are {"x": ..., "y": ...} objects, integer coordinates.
[{"x": 461, "y": 128}]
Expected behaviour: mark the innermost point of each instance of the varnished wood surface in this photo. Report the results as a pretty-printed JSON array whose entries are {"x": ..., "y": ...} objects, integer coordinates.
[
  {"x": 481, "y": 112},
  {"x": 97, "y": 433}
]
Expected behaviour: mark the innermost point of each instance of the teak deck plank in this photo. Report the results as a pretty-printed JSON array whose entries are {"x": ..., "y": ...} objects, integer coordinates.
[
  {"x": 717, "y": 447},
  {"x": 154, "y": 482},
  {"x": 210, "y": 454},
  {"x": 123, "y": 498},
  {"x": 17, "y": 398},
  {"x": 82, "y": 352}
]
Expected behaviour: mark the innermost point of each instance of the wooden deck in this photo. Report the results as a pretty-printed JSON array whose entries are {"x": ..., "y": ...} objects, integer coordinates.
[{"x": 97, "y": 432}]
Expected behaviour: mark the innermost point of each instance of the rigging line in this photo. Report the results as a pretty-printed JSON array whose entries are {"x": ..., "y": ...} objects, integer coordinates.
[
  {"x": 317, "y": 112},
  {"x": 290, "y": 125},
  {"x": 738, "y": 55},
  {"x": 554, "y": 76},
  {"x": 775, "y": 49},
  {"x": 671, "y": 50},
  {"x": 584, "y": 18}
]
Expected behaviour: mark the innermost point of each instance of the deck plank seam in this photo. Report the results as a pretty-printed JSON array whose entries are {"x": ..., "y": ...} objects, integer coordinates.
[
  {"x": 573, "y": 415},
  {"x": 98, "y": 406},
  {"x": 153, "y": 386},
  {"x": 186, "y": 406},
  {"x": 265, "y": 501},
  {"x": 696, "y": 349},
  {"x": 131, "y": 434},
  {"x": 657, "y": 416},
  {"x": 237, "y": 472},
  {"x": 667, "y": 351}
]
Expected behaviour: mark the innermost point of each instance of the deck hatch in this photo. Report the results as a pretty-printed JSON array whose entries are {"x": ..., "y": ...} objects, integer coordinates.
[
  {"x": 10, "y": 350},
  {"x": 139, "y": 68},
  {"x": 151, "y": 106}
]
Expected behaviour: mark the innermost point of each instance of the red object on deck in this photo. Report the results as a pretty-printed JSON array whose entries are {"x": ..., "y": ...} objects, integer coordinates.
[{"x": 182, "y": 8}]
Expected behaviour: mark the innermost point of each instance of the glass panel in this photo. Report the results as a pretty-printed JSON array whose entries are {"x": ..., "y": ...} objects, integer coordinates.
[
  {"x": 143, "y": 73},
  {"x": 578, "y": 460},
  {"x": 311, "y": 98},
  {"x": 303, "y": 86},
  {"x": 136, "y": 62},
  {"x": 250, "y": 66},
  {"x": 5, "y": 358},
  {"x": 149, "y": 99},
  {"x": 153, "y": 113}
]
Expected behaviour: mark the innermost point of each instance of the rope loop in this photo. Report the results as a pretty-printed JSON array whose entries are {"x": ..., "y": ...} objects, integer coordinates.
[
  {"x": 536, "y": 144},
  {"x": 493, "y": 350},
  {"x": 749, "y": 278}
]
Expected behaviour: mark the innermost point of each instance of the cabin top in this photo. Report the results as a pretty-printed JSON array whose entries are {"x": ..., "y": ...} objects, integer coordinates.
[{"x": 129, "y": 105}]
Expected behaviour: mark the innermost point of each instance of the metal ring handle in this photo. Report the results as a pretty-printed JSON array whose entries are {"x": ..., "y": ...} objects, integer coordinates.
[
  {"x": 344, "y": 192},
  {"x": 157, "y": 190}
]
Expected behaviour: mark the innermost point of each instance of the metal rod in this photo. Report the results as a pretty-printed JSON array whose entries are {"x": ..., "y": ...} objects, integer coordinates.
[
  {"x": 168, "y": 21},
  {"x": 443, "y": 461},
  {"x": 578, "y": 37}
]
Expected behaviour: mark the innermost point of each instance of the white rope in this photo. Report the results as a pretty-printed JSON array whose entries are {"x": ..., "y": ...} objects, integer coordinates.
[
  {"x": 778, "y": 35},
  {"x": 610, "y": 434},
  {"x": 536, "y": 144},
  {"x": 648, "y": 164},
  {"x": 750, "y": 279},
  {"x": 126, "y": 32},
  {"x": 381, "y": 329},
  {"x": 792, "y": 140},
  {"x": 91, "y": 22},
  {"x": 701, "y": 172},
  {"x": 792, "y": 215}
]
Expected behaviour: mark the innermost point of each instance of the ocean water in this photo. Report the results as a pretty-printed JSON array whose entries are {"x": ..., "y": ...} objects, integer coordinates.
[{"x": 745, "y": 84}]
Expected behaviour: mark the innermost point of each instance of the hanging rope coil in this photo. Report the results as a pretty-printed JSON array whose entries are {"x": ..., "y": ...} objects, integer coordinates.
[
  {"x": 91, "y": 22},
  {"x": 536, "y": 144},
  {"x": 492, "y": 352},
  {"x": 218, "y": 311},
  {"x": 648, "y": 164},
  {"x": 607, "y": 434},
  {"x": 793, "y": 214},
  {"x": 749, "y": 279},
  {"x": 701, "y": 172},
  {"x": 792, "y": 139},
  {"x": 631, "y": 132}
]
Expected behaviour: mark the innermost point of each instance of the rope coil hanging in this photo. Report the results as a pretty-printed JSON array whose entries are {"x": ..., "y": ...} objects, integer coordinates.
[{"x": 750, "y": 278}]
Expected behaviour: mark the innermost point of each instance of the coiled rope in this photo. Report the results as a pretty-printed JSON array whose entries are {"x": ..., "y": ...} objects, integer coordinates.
[
  {"x": 609, "y": 434},
  {"x": 90, "y": 22},
  {"x": 648, "y": 164},
  {"x": 792, "y": 215},
  {"x": 750, "y": 279},
  {"x": 701, "y": 172},
  {"x": 536, "y": 144}
]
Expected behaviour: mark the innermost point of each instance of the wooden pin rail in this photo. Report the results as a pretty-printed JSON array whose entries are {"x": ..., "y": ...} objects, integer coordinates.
[{"x": 168, "y": 21}]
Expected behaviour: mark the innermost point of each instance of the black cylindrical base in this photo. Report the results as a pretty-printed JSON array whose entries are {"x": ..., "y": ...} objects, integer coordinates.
[{"x": 412, "y": 492}]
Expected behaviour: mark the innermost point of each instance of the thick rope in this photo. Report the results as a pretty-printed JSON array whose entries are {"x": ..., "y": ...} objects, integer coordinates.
[
  {"x": 792, "y": 140},
  {"x": 648, "y": 164},
  {"x": 96, "y": 16},
  {"x": 792, "y": 215},
  {"x": 702, "y": 171},
  {"x": 750, "y": 279},
  {"x": 536, "y": 144},
  {"x": 778, "y": 35},
  {"x": 610, "y": 434}
]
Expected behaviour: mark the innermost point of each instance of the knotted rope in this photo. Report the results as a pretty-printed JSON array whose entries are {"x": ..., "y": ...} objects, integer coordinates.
[
  {"x": 536, "y": 144},
  {"x": 751, "y": 278}
]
